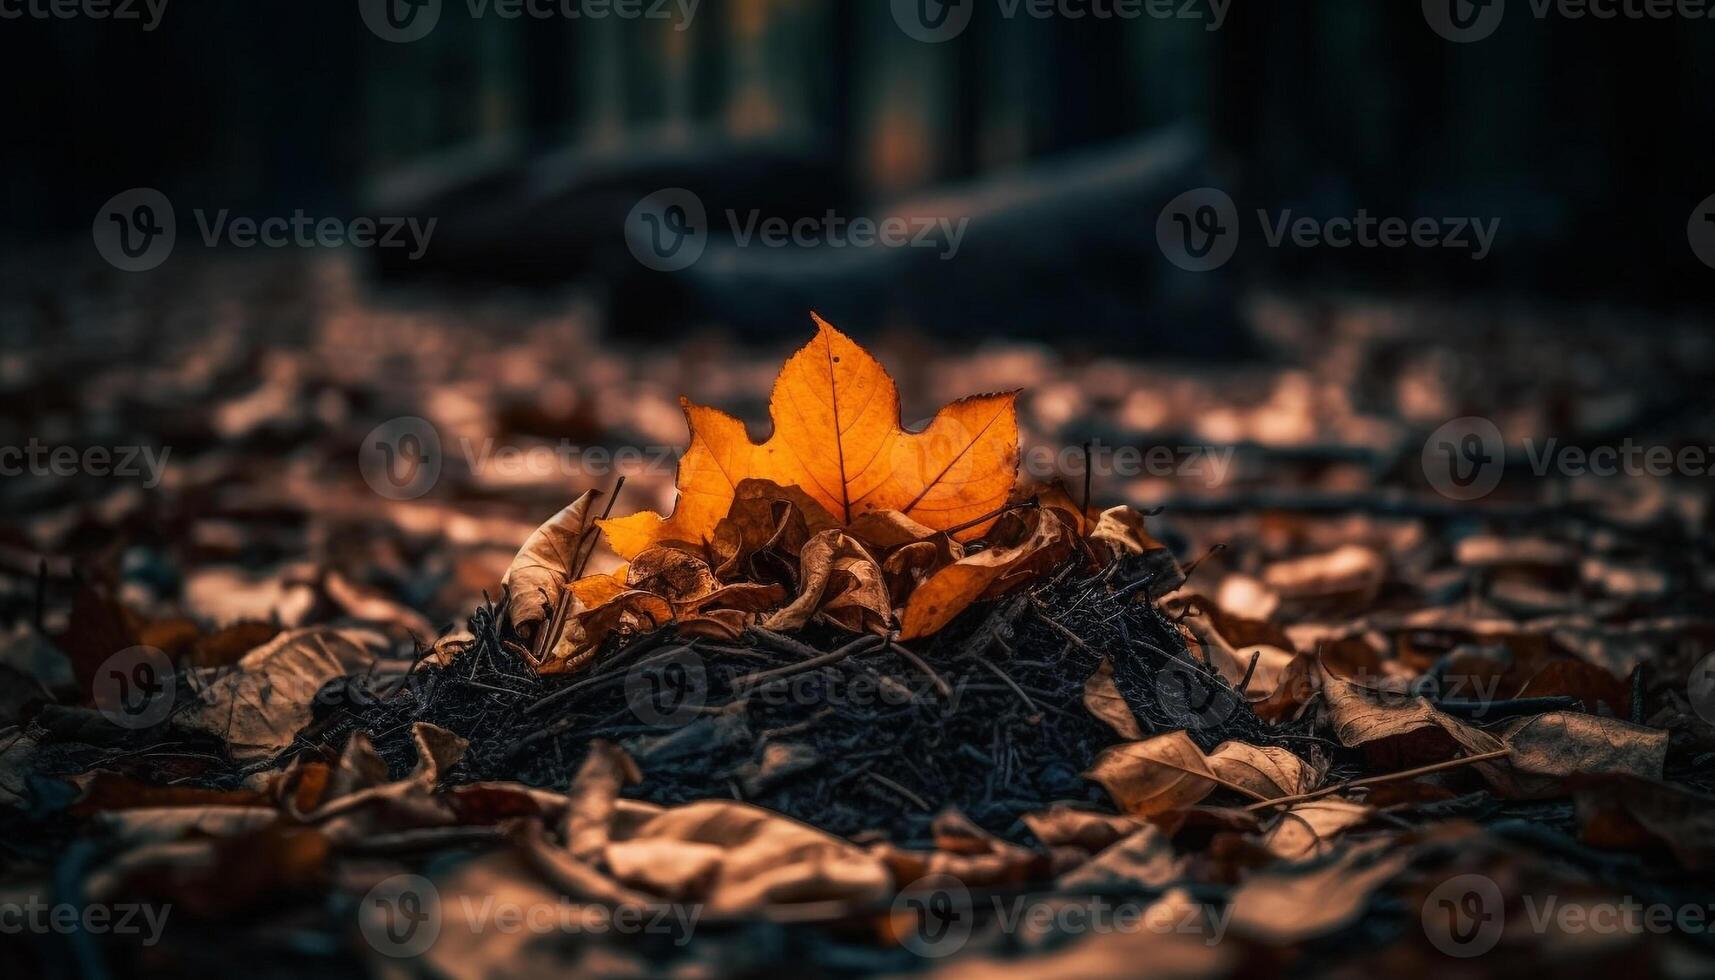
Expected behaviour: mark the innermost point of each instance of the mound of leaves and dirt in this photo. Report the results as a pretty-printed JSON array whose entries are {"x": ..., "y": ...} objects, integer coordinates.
[{"x": 862, "y": 703}]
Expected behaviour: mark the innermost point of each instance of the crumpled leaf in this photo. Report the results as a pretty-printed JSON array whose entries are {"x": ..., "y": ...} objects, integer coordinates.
[
  {"x": 841, "y": 582},
  {"x": 1103, "y": 699},
  {"x": 1307, "y": 830},
  {"x": 967, "y": 853},
  {"x": 1046, "y": 541},
  {"x": 1169, "y": 772},
  {"x": 1400, "y": 729},
  {"x": 1293, "y": 903},
  {"x": 837, "y": 436},
  {"x": 1143, "y": 859},
  {"x": 1122, "y": 532},
  {"x": 737, "y": 858},
  {"x": 767, "y": 525},
  {"x": 260, "y": 706},
  {"x": 537, "y": 579},
  {"x": 1548, "y": 749}
]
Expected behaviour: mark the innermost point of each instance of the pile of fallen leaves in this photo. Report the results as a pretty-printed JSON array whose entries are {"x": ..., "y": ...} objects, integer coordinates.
[
  {"x": 1285, "y": 768},
  {"x": 842, "y": 517}
]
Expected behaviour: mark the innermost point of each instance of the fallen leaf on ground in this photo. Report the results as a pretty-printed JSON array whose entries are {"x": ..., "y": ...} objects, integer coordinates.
[
  {"x": 1104, "y": 700},
  {"x": 1550, "y": 748},
  {"x": 1046, "y": 543},
  {"x": 259, "y": 706},
  {"x": 837, "y": 436},
  {"x": 543, "y": 568}
]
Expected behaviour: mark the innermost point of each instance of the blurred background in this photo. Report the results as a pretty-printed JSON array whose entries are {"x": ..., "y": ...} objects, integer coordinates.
[{"x": 1041, "y": 150}]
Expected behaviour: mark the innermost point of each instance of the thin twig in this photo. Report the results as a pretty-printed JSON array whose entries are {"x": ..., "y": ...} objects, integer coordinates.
[
  {"x": 902, "y": 791},
  {"x": 922, "y": 665},
  {"x": 1385, "y": 778},
  {"x": 858, "y": 645}
]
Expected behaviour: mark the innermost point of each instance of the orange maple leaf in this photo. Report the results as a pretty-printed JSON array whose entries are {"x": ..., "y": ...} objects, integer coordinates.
[{"x": 837, "y": 436}]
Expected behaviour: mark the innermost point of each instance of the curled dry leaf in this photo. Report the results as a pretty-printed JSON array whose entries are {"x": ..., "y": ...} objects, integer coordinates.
[
  {"x": 543, "y": 567},
  {"x": 737, "y": 858},
  {"x": 837, "y": 435},
  {"x": 259, "y": 706},
  {"x": 1103, "y": 699},
  {"x": 1121, "y": 532},
  {"x": 1308, "y": 830},
  {"x": 1065, "y": 826},
  {"x": 967, "y": 853},
  {"x": 1046, "y": 541},
  {"x": 766, "y": 526},
  {"x": 1399, "y": 729},
  {"x": 1291, "y": 904},
  {"x": 594, "y": 795},
  {"x": 1550, "y": 748},
  {"x": 1143, "y": 859},
  {"x": 1169, "y": 772},
  {"x": 840, "y": 581}
]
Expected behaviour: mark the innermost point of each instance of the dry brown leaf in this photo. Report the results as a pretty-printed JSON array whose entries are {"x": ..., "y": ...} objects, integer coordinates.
[
  {"x": 737, "y": 858},
  {"x": 841, "y": 582},
  {"x": 1103, "y": 699},
  {"x": 769, "y": 518},
  {"x": 1065, "y": 826},
  {"x": 1158, "y": 775},
  {"x": 1143, "y": 859},
  {"x": 259, "y": 706},
  {"x": 967, "y": 853},
  {"x": 1398, "y": 729},
  {"x": 1268, "y": 771},
  {"x": 594, "y": 793},
  {"x": 1548, "y": 749},
  {"x": 1292, "y": 904},
  {"x": 1048, "y": 541},
  {"x": 837, "y": 436},
  {"x": 544, "y": 565},
  {"x": 1307, "y": 830}
]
